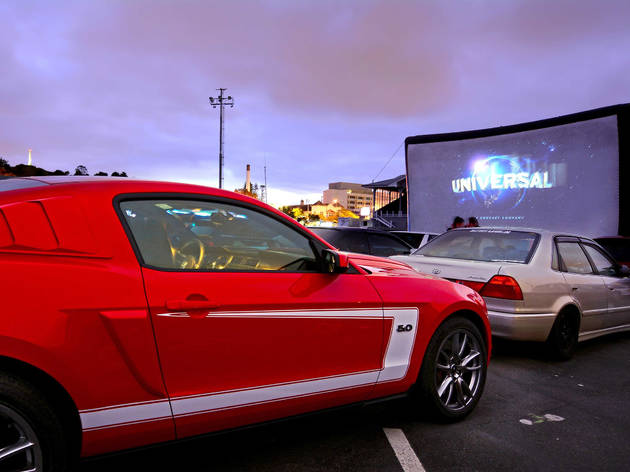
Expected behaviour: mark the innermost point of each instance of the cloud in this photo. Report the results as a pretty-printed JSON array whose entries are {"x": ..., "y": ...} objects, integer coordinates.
[{"x": 325, "y": 90}]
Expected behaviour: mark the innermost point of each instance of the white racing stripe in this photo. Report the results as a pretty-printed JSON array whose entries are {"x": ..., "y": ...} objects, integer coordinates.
[
  {"x": 400, "y": 344},
  {"x": 395, "y": 366},
  {"x": 353, "y": 313},
  {"x": 403, "y": 450},
  {"x": 125, "y": 414},
  {"x": 222, "y": 401}
]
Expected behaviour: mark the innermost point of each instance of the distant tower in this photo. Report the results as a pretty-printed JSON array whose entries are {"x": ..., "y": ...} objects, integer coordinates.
[
  {"x": 30, "y": 161},
  {"x": 248, "y": 179}
]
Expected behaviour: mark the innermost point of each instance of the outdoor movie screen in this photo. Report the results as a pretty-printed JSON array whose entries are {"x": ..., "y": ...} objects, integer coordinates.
[{"x": 563, "y": 178}]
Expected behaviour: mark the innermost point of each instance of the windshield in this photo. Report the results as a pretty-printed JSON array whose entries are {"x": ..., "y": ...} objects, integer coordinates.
[{"x": 490, "y": 245}]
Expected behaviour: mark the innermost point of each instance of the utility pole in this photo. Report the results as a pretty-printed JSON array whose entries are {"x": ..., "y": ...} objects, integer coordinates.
[
  {"x": 220, "y": 102},
  {"x": 263, "y": 194}
]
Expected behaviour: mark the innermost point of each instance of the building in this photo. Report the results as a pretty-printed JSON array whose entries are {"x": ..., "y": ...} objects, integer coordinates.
[
  {"x": 349, "y": 195},
  {"x": 331, "y": 211},
  {"x": 390, "y": 208}
]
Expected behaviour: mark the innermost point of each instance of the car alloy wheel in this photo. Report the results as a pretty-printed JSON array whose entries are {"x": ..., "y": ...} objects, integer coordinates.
[
  {"x": 458, "y": 370},
  {"x": 20, "y": 449},
  {"x": 453, "y": 372}
]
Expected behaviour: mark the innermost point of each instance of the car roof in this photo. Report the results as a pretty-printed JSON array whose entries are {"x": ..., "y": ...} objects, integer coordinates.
[
  {"x": 397, "y": 231},
  {"x": 350, "y": 228},
  {"x": 541, "y": 231},
  {"x": 118, "y": 184},
  {"x": 112, "y": 186}
]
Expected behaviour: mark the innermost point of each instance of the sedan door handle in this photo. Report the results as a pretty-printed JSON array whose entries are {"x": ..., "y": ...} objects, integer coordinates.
[{"x": 184, "y": 305}]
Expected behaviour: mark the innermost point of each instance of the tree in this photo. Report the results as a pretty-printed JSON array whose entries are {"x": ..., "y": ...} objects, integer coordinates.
[
  {"x": 81, "y": 170},
  {"x": 297, "y": 214},
  {"x": 4, "y": 163},
  {"x": 101, "y": 174}
]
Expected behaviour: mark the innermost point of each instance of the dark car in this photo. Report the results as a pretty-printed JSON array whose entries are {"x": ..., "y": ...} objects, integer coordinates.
[
  {"x": 618, "y": 247},
  {"x": 414, "y": 238},
  {"x": 364, "y": 240}
]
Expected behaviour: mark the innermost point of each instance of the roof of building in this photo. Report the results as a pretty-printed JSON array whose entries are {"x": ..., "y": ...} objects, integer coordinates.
[
  {"x": 346, "y": 186},
  {"x": 396, "y": 183}
]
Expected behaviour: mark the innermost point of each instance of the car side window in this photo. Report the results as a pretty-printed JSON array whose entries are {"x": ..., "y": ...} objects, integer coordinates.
[
  {"x": 355, "y": 241},
  {"x": 602, "y": 263},
  {"x": 205, "y": 235},
  {"x": 554, "y": 257},
  {"x": 383, "y": 245},
  {"x": 573, "y": 258}
]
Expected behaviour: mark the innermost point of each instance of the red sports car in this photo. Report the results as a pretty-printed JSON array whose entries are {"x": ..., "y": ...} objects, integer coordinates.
[{"x": 137, "y": 312}]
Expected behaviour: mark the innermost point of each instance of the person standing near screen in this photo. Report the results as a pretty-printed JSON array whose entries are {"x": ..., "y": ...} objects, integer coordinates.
[
  {"x": 458, "y": 222},
  {"x": 472, "y": 222}
]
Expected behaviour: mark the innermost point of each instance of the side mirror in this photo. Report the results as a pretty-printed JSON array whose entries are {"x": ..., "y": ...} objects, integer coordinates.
[
  {"x": 623, "y": 270},
  {"x": 335, "y": 262}
]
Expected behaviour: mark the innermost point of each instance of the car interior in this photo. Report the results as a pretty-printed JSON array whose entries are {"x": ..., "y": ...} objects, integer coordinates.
[{"x": 191, "y": 235}]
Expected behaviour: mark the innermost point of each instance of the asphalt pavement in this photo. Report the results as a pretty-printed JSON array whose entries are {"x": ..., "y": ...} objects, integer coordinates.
[{"x": 535, "y": 415}]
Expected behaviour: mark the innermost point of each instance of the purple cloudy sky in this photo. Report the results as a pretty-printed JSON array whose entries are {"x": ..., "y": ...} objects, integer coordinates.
[{"x": 325, "y": 90}]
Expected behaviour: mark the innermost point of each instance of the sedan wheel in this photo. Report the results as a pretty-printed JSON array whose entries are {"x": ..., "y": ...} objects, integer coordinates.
[
  {"x": 563, "y": 338},
  {"x": 454, "y": 369}
]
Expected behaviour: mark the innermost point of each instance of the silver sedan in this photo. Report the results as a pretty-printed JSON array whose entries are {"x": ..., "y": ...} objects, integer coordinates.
[{"x": 538, "y": 285}]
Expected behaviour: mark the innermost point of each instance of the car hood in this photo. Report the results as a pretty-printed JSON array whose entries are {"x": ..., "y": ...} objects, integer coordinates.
[
  {"x": 375, "y": 264},
  {"x": 474, "y": 271}
]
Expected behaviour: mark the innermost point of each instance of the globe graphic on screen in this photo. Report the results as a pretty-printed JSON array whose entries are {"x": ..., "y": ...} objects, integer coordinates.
[{"x": 496, "y": 198}]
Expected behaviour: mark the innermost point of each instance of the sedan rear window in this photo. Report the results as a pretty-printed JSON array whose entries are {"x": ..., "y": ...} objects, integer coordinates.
[
  {"x": 13, "y": 183},
  {"x": 483, "y": 245}
]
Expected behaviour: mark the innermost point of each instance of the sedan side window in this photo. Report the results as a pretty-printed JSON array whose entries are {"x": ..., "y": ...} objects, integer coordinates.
[
  {"x": 603, "y": 264},
  {"x": 574, "y": 259},
  {"x": 205, "y": 235}
]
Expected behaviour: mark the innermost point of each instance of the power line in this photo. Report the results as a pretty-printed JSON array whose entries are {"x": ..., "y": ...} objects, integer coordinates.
[{"x": 390, "y": 160}]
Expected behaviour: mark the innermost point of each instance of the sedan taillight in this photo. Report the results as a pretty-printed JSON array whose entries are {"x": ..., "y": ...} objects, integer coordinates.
[
  {"x": 502, "y": 286},
  {"x": 476, "y": 286}
]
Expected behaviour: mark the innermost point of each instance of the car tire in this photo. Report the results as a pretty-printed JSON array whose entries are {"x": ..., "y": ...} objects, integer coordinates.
[
  {"x": 453, "y": 372},
  {"x": 31, "y": 427},
  {"x": 563, "y": 338}
]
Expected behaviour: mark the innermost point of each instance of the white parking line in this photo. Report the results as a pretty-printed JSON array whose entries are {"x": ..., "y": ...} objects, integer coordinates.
[{"x": 407, "y": 458}]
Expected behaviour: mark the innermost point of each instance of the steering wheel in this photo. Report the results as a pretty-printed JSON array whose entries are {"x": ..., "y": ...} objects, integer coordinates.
[
  {"x": 189, "y": 255},
  {"x": 219, "y": 258}
]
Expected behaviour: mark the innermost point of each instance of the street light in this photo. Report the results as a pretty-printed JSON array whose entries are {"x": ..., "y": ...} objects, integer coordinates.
[{"x": 221, "y": 102}]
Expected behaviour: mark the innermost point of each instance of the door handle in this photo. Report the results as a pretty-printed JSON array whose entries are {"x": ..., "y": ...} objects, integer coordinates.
[{"x": 184, "y": 305}]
